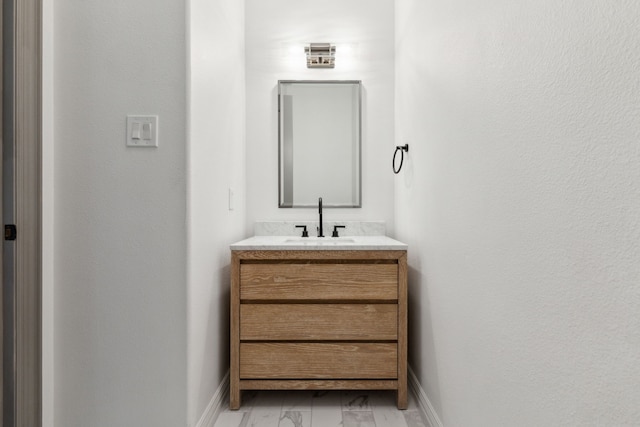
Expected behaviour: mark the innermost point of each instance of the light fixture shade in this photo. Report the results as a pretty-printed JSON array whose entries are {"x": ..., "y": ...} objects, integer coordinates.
[{"x": 321, "y": 55}]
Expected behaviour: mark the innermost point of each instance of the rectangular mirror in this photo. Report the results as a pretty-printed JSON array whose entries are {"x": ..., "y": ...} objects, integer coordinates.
[{"x": 319, "y": 143}]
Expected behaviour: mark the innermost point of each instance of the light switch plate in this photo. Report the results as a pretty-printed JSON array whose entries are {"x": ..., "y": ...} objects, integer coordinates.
[
  {"x": 142, "y": 131},
  {"x": 232, "y": 199}
]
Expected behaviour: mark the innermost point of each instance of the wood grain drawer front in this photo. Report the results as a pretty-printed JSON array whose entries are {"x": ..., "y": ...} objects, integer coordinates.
[
  {"x": 319, "y": 282},
  {"x": 290, "y": 322},
  {"x": 318, "y": 361}
]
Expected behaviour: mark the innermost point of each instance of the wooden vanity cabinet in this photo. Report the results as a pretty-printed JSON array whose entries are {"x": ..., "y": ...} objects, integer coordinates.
[{"x": 318, "y": 319}]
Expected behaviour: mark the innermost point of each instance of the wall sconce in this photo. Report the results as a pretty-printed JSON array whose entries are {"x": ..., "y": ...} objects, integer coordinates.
[{"x": 321, "y": 55}]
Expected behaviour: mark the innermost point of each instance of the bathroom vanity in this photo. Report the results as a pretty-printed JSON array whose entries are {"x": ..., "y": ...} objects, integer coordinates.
[{"x": 318, "y": 314}]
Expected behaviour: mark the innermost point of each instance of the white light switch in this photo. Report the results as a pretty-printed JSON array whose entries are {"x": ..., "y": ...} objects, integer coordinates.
[
  {"x": 146, "y": 131},
  {"x": 142, "y": 131},
  {"x": 135, "y": 131}
]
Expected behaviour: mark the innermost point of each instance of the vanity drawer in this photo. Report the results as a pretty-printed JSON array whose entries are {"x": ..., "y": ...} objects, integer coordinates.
[
  {"x": 319, "y": 282},
  {"x": 354, "y": 322},
  {"x": 318, "y": 360}
]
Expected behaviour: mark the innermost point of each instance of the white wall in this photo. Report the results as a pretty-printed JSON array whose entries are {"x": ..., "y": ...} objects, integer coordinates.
[
  {"x": 520, "y": 207},
  {"x": 276, "y": 33},
  {"x": 216, "y": 163},
  {"x": 120, "y": 215}
]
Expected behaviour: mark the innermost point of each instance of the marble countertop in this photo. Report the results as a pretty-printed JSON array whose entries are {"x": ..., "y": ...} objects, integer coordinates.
[{"x": 318, "y": 243}]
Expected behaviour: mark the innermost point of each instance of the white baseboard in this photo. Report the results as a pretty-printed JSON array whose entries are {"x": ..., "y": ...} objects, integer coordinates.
[
  {"x": 423, "y": 401},
  {"x": 216, "y": 405}
]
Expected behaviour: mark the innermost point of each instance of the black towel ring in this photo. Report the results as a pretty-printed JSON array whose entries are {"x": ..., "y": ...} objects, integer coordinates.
[{"x": 401, "y": 149}]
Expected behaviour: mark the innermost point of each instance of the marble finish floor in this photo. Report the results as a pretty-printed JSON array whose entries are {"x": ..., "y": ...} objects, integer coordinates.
[{"x": 321, "y": 409}]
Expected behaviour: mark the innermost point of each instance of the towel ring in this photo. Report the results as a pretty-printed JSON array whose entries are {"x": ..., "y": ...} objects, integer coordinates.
[{"x": 401, "y": 149}]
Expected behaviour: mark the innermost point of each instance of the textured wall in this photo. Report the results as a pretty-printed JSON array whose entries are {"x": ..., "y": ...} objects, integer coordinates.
[
  {"x": 520, "y": 204},
  {"x": 276, "y": 33},
  {"x": 120, "y": 222}
]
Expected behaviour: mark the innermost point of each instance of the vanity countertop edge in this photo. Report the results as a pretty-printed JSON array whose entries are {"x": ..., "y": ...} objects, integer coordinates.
[{"x": 369, "y": 243}]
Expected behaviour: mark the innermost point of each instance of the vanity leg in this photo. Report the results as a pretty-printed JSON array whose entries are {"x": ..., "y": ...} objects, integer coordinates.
[
  {"x": 402, "y": 332},
  {"x": 234, "y": 396},
  {"x": 402, "y": 398},
  {"x": 234, "y": 369}
]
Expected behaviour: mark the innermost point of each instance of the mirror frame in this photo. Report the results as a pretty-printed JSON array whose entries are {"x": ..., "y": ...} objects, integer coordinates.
[{"x": 358, "y": 143}]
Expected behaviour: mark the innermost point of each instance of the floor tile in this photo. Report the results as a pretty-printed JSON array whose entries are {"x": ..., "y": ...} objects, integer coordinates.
[
  {"x": 248, "y": 397},
  {"x": 326, "y": 409},
  {"x": 326, "y": 418},
  {"x": 246, "y": 401},
  {"x": 272, "y": 399},
  {"x": 413, "y": 402},
  {"x": 230, "y": 419},
  {"x": 414, "y": 418},
  {"x": 295, "y": 419},
  {"x": 383, "y": 399},
  {"x": 389, "y": 417},
  {"x": 298, "y": 400},
  {"x": 358, "y": 419},
  {"x": 356, "y": 400},
  {"x": 327, "y": 398},
  {"x": 263, "y": 417},
  {"x": 301, "y": 408}
]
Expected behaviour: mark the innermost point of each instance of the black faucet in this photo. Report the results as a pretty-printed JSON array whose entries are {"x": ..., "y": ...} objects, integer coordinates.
[
  {"x": 320, "y": 212},
  {"x": 335, "y": 230},
  {"x": 305, "y": 233}
]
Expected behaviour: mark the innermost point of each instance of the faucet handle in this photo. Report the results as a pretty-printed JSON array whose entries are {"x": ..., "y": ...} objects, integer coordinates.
[
  {"x": 305, "y": 233},
  {"x": 335, "y": 230}
]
